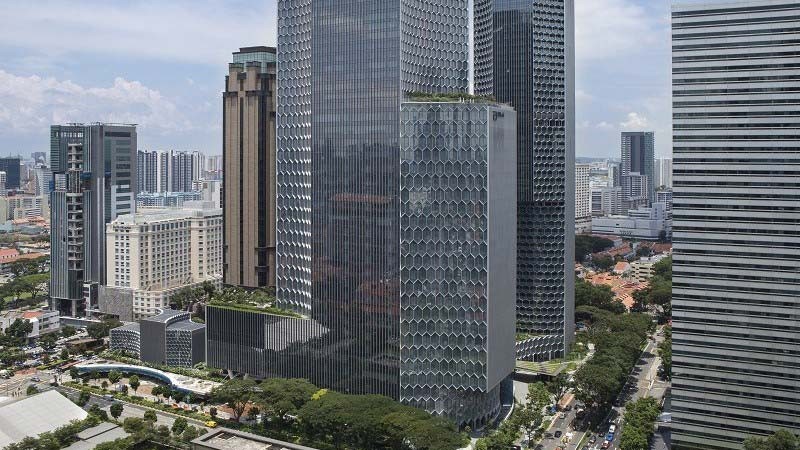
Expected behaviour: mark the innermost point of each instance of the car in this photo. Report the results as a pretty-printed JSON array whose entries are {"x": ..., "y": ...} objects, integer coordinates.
[
  {"x": 593, "y": 439},
  {"x": 210, "y": 424},
  {"x": 605, "y": 444},
  {"x": 563, "y": 415},
  {"x": 557, "y": 434},
  {"x": 586, "y": 447},
  {"x": 610, "y": 437},
  {"x": 36, "y": 379},
  {"x": 612, "y": 428},
  {"x": 108, "y": 397},
  {"x": 568, "y": 408}
]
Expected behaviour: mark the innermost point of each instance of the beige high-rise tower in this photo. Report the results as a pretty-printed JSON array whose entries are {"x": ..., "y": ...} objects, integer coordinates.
[{"x": 249, "y": 168}]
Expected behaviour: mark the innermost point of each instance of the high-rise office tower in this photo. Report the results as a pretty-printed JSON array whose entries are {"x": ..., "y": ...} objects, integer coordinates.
[
  {"x": 249, "y": 158},
  {"x": 11, "y": 166},
  {"x": 534, "y": 72},
  {"x": 736, "y": 276},
  {"x": 638, "y": 158},
  {"x": 169, "y": 171},
  {"x": 583, "y": 199},
  {"x": 663, "y": 172},
  {"x": 94, "y": 172},
  {"x": 387, "y": 211}
]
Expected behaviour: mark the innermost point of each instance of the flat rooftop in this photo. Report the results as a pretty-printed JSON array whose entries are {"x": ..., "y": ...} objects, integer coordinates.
[{"x": 224, "y": 439}]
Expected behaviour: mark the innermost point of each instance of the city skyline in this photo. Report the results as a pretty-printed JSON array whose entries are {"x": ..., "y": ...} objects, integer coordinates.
[{"x": 170, "y": 88}]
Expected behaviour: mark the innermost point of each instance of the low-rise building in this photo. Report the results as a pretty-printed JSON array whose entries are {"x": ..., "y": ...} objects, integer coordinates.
[
  {"x": 157, "y": 252},
  {"x": 642, "y": 270},
  {"x": 171, "y": 338},
  {"x": 42, "y": 321},
  {"x": 644, "y": 223}
]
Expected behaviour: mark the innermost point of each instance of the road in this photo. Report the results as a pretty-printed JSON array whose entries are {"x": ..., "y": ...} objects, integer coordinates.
[{"x": 643, "y": 381}]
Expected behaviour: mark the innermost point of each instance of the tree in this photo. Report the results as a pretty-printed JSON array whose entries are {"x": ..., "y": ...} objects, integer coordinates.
[
  {"x": 64, "y": 354},
  {"x": 586, "y": 245},
  {"x": 163, "y": 431},
  {"x": 780, "y": 440},
  {"x": 48, "y": 341},
  {"x": 35, "y": 283},
  {"x": 587, "y": 294},
  {"x": 559, "y": 385},
  {"x": 95, "y": 410},
  {"x": 114, "y": 376},
  {"x": 190, "y": 434},
  {"x": 134, "y": 382},
  {"x": 135, "y": 425},
  {"x": 31, "y": 390},
  {"x": 236, "y": 394},
  {"x": 83, "y": 398},
  {"x": 279, "y": 397},
  {"x": 116, "y": 410},
  {"x": 603, "y": 263},
  {"x": 73, "y": 372},
  {"x": 19, "y": 329},
  {"x": 665, "y": 352},
  {"x": 529, "y": 420},
  {"x": 104, "y": 385},
  {"x": 10, "y": 356},
  {"x": 179, "y": 425},
  {"x": 150, "y": 416},
  {"x": 213, "y": 412},
  {"x": 68, "y": 331}
]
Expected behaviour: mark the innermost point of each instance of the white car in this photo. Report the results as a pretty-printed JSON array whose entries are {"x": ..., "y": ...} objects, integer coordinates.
[{"x": 612, "y": 428}]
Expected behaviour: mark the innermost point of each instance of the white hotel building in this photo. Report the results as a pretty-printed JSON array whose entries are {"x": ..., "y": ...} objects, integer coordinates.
[{"x": 159, "y": 251}]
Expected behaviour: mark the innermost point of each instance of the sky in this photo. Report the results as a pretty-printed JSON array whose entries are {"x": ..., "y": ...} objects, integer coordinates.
[{"x": 162, "y": 65}]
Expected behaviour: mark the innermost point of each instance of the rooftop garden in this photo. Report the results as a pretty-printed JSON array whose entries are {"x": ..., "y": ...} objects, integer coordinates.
[
  {"x": 448, "y": 97},
  {"x": 258, "y": 301}
]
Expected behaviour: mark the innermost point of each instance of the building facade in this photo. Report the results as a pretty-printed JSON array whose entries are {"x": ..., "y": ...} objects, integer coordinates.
[
  {"x": 663, "y": 173},
  {"x": 171, "y": 339},
  {"x": 457, "y": 247},
  {"x": 11, "y": 166},
  {"x": 638, "y": 157},
  {"x": 649, "y": 223},
  {"x": 736, "y": 269},
  {"x": 94, "y": 175},
  {"x": 249, "y": 164},
  {"x": 583, "y": 199},
  {"x": 157, "y": 252},
  {"x": 339, "y": 203},
  {"x": 167, "y": 199},
  {"x": 534, "y": 73}
]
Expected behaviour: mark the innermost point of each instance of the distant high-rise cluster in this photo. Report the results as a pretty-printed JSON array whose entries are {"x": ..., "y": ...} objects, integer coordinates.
[
  {"x": 395, "y": 187},
  {"x": 169, "y": 171},
  {"x": 583, "y": 199},
  {"x": 736, "y": 270}
]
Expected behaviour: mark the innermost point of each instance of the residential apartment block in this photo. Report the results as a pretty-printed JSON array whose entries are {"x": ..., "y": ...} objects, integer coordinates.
[
  {"x": 637, "y": 170},
  {"x": 736, "y": 269},
  {"x": 583, "y": 199}
]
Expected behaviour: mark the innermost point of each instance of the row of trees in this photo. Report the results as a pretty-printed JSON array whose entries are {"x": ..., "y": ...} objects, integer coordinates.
[
  {"x": 640, "y": 417},
  {"x": 780, "y": 440},
  {"x": 665, "y": 352},
  {"x": 528, "y": 418},
  {"x": 618, "y": 340},
  {"x": 297, "y": 408},
  {"x": 59, "y": 438}
]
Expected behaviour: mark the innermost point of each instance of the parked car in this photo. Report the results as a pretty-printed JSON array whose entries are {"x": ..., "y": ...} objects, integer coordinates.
[
  {"x": 612, "y": 429},
  {"x": 563, "y": 415},
  {"x": 605, "y": 445},
  {"x": 211, "y": 424},
  {"x": 593, "y": 439},
  {"x": 558, "y": 434}
]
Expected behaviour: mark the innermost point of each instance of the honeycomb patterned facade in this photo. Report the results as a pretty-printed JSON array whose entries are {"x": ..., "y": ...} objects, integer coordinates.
[
  {"x": 533, "y": 72},
  {"x": 344, "y": 67},
  {"x": 457, "y": 260}
]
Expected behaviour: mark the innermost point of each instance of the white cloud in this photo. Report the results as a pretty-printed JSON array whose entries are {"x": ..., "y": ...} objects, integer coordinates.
[
  {"x": 177, "y": 30},
  {"x": 609, "y": 28},
  {"x": 604, "y": 126},
  {"x": 31, "y": 104},
  {"x": 582, "y": 96},
  {"x": 635, "y": 122}
]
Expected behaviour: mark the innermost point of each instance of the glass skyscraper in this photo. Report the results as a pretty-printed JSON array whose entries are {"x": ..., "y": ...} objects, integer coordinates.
[
  {"x": 534, "y": 73},
  {"x": 345, "y": 67},
  {"x": 736, "y": 210}
]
